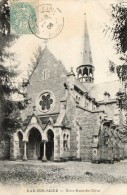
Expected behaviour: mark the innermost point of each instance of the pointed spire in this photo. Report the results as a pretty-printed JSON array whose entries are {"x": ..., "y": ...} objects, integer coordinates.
[
  {"x": 86, "y": 70},
  {"x": 87, "y": 57}
]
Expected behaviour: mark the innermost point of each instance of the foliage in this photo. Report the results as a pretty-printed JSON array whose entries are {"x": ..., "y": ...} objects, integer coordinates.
[
  {"x": 9, "y": 110},
  {"x": 120, "y": 70},
  {"x": 119, "y": 36},
  {"x": 119, "y": 29},
  {"x": 35, "y": 60}
]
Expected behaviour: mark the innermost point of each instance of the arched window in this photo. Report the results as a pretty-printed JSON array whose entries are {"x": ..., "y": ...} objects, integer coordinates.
[
  {"x": 45, "y": 74},
  {"x": 64, "y": 141},
  {"x": 67, "y": 142},
  {"x": 77, "y": 99}
]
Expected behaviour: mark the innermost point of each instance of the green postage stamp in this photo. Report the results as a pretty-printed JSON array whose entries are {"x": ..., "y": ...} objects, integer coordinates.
[{"x": 20, "y": 14}]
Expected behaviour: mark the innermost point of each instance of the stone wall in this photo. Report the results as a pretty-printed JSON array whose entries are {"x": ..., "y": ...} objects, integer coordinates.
[
  {"x": 57, "y": 143},
  {"x": 71, "y": 115},
  {"x": 5, "y": 149},
  {"x": 64, "y": 151},
  {"x": 89, "y": 123},
  {"x": 55, "y": 82},
  {"x": 103, "y": 146}
]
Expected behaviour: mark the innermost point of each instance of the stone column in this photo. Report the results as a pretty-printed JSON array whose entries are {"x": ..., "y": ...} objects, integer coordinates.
[
  {"x": 52, "y": 157},
  {"x": 82, "y": 70},
  {"x": 61, "y": 144},
  {"x": 44, "y": 158},
  {"x": 56, "y": 144},
  {"x": 25, "y": 156},
  {"x": 88, "y": 68}
]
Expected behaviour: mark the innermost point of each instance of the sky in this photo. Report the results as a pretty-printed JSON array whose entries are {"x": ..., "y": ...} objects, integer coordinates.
[{"x": 68, "y": 45}]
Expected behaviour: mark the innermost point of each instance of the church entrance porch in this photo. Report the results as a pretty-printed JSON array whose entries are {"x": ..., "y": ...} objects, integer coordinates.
[
  {"x": 39, "y": 146},
  {"x": 33, "y": 146}
]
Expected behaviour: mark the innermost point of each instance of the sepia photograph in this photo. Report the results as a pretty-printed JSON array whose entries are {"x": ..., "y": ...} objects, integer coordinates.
[{"x": 63, "y": 97}]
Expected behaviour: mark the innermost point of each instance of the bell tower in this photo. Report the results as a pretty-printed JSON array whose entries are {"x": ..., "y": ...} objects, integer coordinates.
[{"x": 85, "y": 71}]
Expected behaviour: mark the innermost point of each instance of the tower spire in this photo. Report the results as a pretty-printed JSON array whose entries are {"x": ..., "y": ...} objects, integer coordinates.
[
  {"x": 87, "y": 57},
  {"x": 85, "y": 71}
]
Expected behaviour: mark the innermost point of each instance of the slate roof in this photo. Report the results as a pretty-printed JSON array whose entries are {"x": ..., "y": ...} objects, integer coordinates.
[
  {"x": 112, "y": 87},
  {"x": 47, "y": 54},
  {"x": 80, "y": 85},
  {"x": 43, "y": 121}
]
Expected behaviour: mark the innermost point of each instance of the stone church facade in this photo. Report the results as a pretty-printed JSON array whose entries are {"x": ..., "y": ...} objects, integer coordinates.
[{"x": 69, "y": 118}]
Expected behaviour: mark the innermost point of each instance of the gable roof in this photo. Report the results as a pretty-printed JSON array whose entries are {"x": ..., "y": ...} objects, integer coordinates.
[
  {"x": 42, "y": 121},
  {"x": 28, "y": 120},
  {"x": 112, "y": 87},
  {"x": 47, "y": 54}
]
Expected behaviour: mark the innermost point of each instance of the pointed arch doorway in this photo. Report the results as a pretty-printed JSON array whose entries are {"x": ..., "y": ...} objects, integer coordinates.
[
  {"x": 33, "y": 146},
  {"x": 49, "y": 148},
  {"x": 50, "y": 145}
]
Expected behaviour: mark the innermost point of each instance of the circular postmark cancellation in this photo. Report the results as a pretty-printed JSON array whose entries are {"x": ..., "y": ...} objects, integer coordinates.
[
  {"x": 49, "y": 22},
  {"x": 20, "y": 13}
]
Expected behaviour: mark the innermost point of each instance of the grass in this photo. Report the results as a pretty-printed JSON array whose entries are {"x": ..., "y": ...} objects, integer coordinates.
[{"x": 36, "y": 172}]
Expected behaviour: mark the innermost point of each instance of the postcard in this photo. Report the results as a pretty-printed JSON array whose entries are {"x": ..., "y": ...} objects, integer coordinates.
[{"x": 63, "y": 97}]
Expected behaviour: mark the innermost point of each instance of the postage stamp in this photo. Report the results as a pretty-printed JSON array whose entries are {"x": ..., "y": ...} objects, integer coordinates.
[{"x": 20, "y": 13}]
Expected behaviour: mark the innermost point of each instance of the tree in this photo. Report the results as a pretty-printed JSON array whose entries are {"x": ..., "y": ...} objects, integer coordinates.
[
  {"x": 119, "y": 36},
  {"x": 119, "y": 16},
  {"x": 10, "y": 118},
  {"x": 35, "y": 60}
]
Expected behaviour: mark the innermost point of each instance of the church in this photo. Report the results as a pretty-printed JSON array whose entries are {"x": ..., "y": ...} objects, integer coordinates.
[{"x": 70, "y": 117}]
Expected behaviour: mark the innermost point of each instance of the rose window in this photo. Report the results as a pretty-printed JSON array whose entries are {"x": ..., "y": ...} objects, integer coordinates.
[{"x": 46, "y": 101}]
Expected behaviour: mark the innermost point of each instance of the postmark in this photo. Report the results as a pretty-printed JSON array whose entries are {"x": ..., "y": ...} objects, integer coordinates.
[
  {"x": 50, "y": 22},
  {"x": 20, "y": 13}
]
